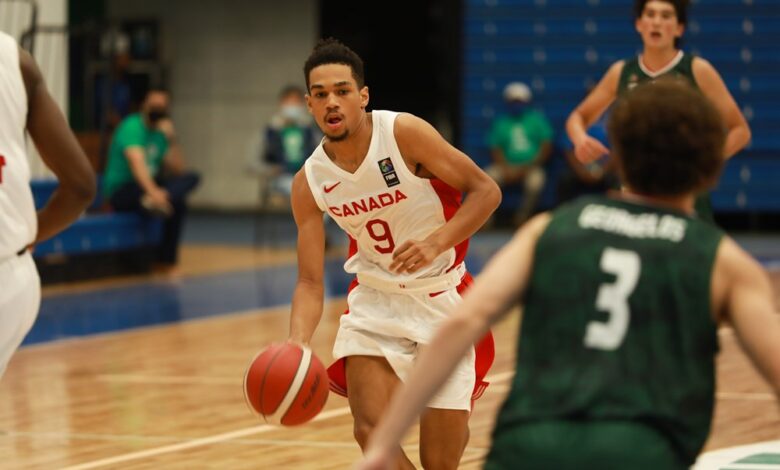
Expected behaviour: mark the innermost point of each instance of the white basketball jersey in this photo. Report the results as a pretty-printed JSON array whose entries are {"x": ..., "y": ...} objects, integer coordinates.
[
  {"x": 18, "y": 221},
  {"x": 382, "y": 204}
]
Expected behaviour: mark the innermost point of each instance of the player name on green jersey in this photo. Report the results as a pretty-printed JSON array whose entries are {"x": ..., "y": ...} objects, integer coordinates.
[{"x": 621, "y": 222}]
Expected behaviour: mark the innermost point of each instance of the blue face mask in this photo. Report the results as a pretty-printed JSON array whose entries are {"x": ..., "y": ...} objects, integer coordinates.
[
  {"x": 293, "y": 112},
  {"x": 516, "y": 108}
]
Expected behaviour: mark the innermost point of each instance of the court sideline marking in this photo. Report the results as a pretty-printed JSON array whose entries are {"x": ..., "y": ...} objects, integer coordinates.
[
  {"x": 197, "y": 442},
  {"x": 226, "y": 436}
]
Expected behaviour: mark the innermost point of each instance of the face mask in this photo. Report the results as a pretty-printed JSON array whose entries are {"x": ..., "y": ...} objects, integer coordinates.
[
  {"x": 157, "y": 114},
  {"x": 293, "y": 112}
]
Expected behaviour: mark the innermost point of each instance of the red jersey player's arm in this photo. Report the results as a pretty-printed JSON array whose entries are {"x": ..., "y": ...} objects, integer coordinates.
[
  {"x": 495, "y": 291},
  {"x": 60, "y": 152},
  {"x": 420, "y": 143},
  {"x": 307, "y": 298}
]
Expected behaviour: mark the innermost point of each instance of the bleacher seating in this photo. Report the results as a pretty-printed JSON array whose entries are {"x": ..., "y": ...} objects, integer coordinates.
[
  {"x": 98, "y": 231},
  {"x": 560, "y": 47}
]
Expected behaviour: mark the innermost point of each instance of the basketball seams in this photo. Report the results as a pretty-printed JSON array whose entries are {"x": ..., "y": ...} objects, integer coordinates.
[
  {"x": 294, "y": 387},
  {"x": 265, "y": 376},
  {"x": 262, "y": 383}
]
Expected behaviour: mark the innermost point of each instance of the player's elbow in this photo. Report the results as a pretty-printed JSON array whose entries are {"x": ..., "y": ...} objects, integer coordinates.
[
  {"x": 747, "y": 134},
  {"x": 81, "y": 187},
  {"x": 87, "y": 187},
  {"x": 492, "y": 196}
]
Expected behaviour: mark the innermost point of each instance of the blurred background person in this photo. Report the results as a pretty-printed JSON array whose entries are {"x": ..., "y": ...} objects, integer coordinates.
[
  {"x": 520, "y": 142},
  {"x": 288, "y": 140},
  {"x": 661, "y": 25},
  {"x": 145, "y": 172}
]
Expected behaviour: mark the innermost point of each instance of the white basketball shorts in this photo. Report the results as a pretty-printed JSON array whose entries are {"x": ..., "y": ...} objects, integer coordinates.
[
  {"x": 20, "y": 298},
  {"x": 397, "y": 326}
]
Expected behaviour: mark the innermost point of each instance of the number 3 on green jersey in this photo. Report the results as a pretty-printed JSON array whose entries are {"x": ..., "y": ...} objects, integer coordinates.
[{"x": 613, "y": 298}]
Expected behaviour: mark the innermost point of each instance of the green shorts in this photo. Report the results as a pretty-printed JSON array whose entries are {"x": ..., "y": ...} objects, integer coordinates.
[{"x": 601, "y": 445}]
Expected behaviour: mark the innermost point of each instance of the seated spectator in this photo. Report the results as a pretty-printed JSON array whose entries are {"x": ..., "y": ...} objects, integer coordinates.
[
  {"x": 592, "y": 178},
  {"x": 520, "y": 142},
  {"x": 289, "y": 139},
  {"x": 145, "y": 172}
]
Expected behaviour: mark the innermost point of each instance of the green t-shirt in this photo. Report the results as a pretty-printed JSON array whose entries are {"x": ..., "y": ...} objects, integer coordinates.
[
  {"x": 294, "y": 145},
  {"x": 132, "y": 132},
  {"x": 520, "y": 137}
]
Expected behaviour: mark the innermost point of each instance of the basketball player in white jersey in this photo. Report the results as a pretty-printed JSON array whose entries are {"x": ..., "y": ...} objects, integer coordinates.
[
  {"x": 394, "y": 185},
  {"x": 25, "y": 103}
]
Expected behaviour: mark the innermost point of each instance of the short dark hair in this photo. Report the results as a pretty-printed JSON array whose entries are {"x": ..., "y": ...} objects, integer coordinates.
[
  {"x": 680, "y": 10},
  {"x": 333, "y": 51},
  {"x": 668, "y": 139}
]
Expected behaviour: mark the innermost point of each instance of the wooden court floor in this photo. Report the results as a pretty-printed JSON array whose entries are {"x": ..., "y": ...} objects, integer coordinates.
[{"x": 170, "y": 397}]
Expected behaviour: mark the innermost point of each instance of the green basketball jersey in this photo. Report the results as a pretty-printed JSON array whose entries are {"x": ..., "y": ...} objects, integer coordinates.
[
  {"x": 618, "y": 324},
  {"x": 634, "y": 73}
]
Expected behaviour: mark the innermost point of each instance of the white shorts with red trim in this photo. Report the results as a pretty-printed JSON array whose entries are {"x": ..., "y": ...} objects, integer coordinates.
[{"x": 397, "y": 326}]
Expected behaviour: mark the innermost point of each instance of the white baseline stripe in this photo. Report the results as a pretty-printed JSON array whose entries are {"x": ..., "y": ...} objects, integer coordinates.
[
  {"x": 168, "y": 379},
  {"x": 167, "y": 439},
  {"x": 204, "y": 441},
  {"x": 205, "y": 380}
]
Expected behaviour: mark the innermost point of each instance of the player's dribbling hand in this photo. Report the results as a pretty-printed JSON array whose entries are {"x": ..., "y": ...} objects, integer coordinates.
[
  {"x": 589, "y": 149},
  {"x": 413, "y": 255}
]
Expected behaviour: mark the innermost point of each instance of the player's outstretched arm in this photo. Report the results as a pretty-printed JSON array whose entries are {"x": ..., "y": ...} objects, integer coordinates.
[
  {"x": 494, "y": 292},
  {"x": 421, "y": 145},
  {"x": 307, "y": 298},
  {"x": 710, "y": 82},
  {"x": 748, "y": 305},
  {"x": 59, "y": 150},
  {"x": 586, "y": 148}
]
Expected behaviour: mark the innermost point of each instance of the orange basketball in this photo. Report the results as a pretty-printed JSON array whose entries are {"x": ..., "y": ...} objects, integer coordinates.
[{"x": 286, "y": 384}]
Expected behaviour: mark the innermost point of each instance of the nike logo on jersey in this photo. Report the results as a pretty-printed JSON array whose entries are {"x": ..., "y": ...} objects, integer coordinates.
[{"x": 328, "y": 189}]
